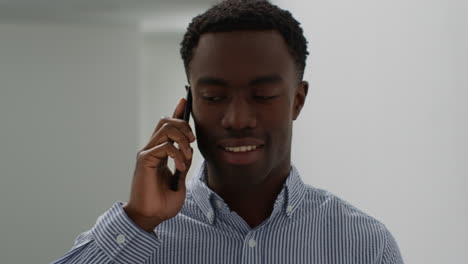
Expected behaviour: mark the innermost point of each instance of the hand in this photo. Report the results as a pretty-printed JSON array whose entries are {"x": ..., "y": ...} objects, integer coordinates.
[{"x": 151, "y": 199}]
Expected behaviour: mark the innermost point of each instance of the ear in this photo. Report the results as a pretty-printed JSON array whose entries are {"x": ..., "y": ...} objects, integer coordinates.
[{"x": 299, "y": 98}]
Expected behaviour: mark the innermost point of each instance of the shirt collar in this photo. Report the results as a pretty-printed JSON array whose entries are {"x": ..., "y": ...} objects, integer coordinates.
[{"x": 287, "y": 201}]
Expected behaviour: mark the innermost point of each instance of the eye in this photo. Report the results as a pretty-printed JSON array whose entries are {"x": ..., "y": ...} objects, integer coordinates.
[
  {"x": 214, "y": 98},
  {"x": 260, "y": 97}
]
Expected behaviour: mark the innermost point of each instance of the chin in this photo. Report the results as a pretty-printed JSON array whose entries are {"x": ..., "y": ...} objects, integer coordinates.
[{"x": 241, "y": 174}]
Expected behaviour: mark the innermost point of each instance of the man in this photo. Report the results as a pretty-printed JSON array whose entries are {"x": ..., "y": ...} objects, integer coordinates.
[{"x": 245, "y": 62}]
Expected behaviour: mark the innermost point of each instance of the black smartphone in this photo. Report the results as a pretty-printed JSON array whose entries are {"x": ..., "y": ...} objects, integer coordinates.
[{"x": 187, "y": 111}]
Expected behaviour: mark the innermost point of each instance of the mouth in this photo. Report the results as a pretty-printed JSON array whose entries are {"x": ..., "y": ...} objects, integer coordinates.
[
  {"x": 241, "y": 152},
  {"x": 242, "y": 148}
]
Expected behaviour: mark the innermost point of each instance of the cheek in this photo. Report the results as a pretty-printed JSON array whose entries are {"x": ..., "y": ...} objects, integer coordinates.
[
  {"x": 278, "y": 114},
  {"x": 203, "y": 139},
  {"x": 280, "y": 132},
  {"x": 204, "y": 118},
  {"x": 277, "y": 123},
  {"x": 205, "y": 127}
]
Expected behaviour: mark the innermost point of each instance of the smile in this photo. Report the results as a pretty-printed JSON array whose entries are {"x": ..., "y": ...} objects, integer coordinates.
[
  {"x": 241, "y": 148},
  {"x": 241, "y": 155}
]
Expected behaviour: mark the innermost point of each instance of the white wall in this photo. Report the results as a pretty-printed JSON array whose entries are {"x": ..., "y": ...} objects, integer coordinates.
[
  {"x": 384, "y": 125},
  {"x": 68, "y": 132}
]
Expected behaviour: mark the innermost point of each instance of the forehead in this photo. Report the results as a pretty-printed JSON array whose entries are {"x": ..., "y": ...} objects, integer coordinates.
[{"x": 241, "y": 55}]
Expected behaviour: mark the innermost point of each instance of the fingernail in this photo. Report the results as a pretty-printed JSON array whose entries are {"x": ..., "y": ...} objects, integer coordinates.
[{"x": 189, "y": 153}]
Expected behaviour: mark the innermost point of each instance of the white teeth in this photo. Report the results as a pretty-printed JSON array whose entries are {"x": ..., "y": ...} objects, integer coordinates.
[{"x": 241, "y": 148}]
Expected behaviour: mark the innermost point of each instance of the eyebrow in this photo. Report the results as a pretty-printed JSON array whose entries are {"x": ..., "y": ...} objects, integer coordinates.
[
  {"x": 267, "y": 79},
  {"x": 211, "y": 81}
]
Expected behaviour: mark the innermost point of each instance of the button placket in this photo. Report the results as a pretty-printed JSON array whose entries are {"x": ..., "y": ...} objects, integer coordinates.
[
  {"x": 252, "y": 249},
  {"x": 252, "y": 243}
]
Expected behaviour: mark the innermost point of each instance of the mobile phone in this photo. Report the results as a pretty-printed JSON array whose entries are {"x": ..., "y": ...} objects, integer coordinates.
[{"x": 187, "y": 111}]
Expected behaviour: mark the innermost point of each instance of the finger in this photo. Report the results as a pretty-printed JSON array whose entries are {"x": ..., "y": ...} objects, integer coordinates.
[
  {"x": 188, "y": 163},
  {"x": 167, "y": 124},
  {"x": 179, "y": 111},
  {"x": 183, "y": 174},
  {"x": 166, "y": 150},
  {"x": 176, "y": 114},
  {"x": 180, "y": 124},
  {"x": 170, "y": 133}
]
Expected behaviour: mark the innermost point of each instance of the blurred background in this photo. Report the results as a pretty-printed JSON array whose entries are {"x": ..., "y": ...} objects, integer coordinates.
[{"x": 83, "y": 84}]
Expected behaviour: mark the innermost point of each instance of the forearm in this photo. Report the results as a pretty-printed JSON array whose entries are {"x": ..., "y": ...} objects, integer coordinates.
[{"x": 114, "y": 239}]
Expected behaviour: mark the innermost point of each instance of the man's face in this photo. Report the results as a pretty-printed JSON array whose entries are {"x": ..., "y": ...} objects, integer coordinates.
[{"x": 245, "y": 96}]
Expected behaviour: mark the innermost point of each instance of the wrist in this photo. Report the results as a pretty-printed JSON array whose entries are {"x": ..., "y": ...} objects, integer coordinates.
[{"x": 146, "y": 223}]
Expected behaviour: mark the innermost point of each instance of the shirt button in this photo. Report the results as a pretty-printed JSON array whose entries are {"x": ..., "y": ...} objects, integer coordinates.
[
  {"x": 120, "y": 239},
  {"x": 209, "y": 214},
  {"x": 219, "y": 204},
  {"x": 289, "y": 209},
  {"x": 252, "y": 243}
]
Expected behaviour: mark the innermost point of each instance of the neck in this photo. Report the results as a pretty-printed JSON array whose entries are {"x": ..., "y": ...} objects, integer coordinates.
[{"x": 253, "y": 202}]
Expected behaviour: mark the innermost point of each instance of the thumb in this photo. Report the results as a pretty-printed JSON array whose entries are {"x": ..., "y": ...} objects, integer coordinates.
[{"x": 179, "y": 111}]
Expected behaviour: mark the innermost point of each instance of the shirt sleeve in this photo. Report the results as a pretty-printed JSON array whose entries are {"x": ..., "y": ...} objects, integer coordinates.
[
  {"x": 391, "y": 253},
  {"x": 114, "y": 239}
]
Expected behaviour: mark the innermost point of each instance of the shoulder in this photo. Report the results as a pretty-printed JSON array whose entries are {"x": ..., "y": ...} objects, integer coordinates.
[
  {"x": 335, "y": 213},
  {"x": 332, "y": 206},
  {"x": 336, "y": 221}
]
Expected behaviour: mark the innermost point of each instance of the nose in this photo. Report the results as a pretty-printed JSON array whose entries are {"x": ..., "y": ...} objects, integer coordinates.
[{"x": 239, "y": 114}]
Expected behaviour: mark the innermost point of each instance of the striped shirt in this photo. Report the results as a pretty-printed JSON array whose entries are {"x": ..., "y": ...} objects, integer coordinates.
[{"x": 307, "y": 225}]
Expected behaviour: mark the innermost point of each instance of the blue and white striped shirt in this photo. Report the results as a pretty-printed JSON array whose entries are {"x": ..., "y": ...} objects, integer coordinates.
[{"x": 307, "y": 225}]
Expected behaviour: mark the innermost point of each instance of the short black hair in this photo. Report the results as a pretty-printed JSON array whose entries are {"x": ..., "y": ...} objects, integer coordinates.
[{"x": 237, "y": 15}]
